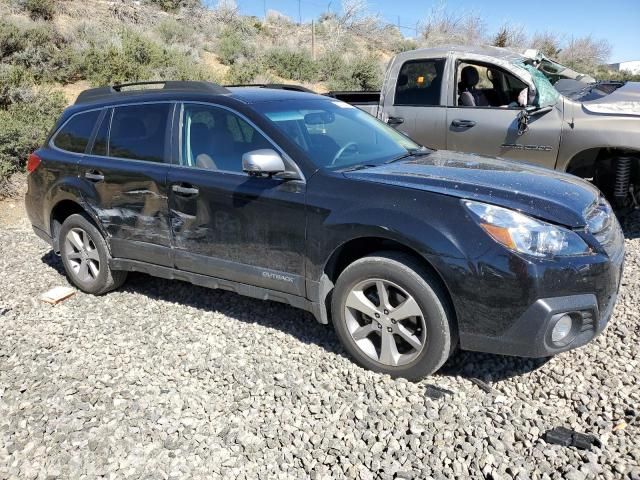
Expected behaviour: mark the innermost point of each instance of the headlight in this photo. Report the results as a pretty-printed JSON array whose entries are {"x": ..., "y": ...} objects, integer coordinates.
[{"x": 524, "y": 234}]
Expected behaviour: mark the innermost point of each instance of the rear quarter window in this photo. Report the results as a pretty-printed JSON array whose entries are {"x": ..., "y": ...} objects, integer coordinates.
[{"x": 76, "y": 132}]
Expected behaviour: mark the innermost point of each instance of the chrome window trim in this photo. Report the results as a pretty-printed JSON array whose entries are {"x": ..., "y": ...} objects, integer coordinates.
[{"x": 276, "y": 147}]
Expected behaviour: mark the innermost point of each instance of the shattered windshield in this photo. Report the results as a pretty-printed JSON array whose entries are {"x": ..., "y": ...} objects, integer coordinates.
[
  {"x": 555, "y": 72},
  {"x": 546, "y": 95}
]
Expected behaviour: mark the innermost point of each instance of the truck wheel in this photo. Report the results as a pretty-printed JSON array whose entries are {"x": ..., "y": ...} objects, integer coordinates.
[
  {"x": 392, "y": 316},
  {"x": 86, "y": 257}
]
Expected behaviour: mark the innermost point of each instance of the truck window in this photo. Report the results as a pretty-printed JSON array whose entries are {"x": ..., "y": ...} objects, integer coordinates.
[
  {"x": 480, "y": 85},
  {"x": 419, "y": 83}
]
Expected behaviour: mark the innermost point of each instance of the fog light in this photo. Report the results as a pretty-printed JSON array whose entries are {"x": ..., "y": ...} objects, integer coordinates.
[{"x": 562, "y": 329}]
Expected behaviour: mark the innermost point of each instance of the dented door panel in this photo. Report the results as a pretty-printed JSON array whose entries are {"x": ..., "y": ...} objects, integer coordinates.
[{"x": 131, "y": 203}]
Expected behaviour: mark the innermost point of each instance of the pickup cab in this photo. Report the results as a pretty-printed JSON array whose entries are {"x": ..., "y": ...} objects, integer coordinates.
[{"x": 497, "y": 102}]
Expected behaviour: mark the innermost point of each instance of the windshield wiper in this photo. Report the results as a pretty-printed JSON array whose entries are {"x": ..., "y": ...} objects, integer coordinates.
[
  {"x": 415, "y": 152},
  {"x": 359, "y": 166}
]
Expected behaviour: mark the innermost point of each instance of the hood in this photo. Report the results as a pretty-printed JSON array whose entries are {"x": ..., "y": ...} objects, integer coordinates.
[
  {"x": 623, "y": 101},
  {"x": 539, "y": 192}
]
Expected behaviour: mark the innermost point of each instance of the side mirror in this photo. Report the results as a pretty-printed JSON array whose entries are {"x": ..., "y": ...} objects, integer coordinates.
[{"x": 262, "y": 162}]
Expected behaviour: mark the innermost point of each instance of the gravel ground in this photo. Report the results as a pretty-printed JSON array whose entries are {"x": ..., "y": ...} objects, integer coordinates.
[{"x": 168, "y": 380}]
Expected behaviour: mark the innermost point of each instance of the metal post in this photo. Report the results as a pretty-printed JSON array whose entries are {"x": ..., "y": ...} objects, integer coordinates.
[
  {"x": 313, "y": 39},
  {"x": 299, "y": 12}
]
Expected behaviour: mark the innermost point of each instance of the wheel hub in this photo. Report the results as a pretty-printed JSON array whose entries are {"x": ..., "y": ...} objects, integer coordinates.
[{"x": 385, "y": 322}]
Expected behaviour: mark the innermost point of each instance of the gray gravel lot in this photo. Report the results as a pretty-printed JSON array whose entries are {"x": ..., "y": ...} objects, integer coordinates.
[{"x": 168, "y": 380}]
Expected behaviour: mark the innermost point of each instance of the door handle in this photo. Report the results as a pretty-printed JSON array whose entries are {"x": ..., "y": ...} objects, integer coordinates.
[
  {"x": 94, "y": 176},
  {"x": 395, "y": 121},
  {"x": 463, "y": 123},
  {"x": 185, "y": 190}
]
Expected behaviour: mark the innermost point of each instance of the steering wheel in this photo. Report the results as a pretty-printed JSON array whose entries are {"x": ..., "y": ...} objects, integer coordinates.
[{"x": 346, "y": 147}]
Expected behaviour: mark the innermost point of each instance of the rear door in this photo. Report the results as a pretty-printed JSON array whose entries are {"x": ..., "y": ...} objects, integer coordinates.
[
  {"x": 225, "y": 223},
  {"x": 416, "y": 105},
  {"x": 125, "y": 173},
  {"x": 493, "y": 129}
]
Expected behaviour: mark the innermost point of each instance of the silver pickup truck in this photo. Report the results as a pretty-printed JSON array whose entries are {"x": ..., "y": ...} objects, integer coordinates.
[{"x": 497, "y": 102}]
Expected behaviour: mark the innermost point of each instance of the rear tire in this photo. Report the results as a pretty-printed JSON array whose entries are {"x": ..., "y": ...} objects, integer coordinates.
[
  {"x": 85, "y": 256},
  {"x": 408, "y": 328}
]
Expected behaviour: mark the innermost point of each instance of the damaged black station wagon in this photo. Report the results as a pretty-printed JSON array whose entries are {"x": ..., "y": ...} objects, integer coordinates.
[{"x": 306, "y": 200}]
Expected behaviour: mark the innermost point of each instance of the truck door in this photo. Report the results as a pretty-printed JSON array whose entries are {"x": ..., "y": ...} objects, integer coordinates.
[
  {"x": 414, "y": 102},
  {"x": 483, "y": 117}
]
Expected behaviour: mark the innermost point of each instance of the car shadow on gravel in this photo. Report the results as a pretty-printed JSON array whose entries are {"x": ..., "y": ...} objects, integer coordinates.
[{"x": 489, "y": 368}]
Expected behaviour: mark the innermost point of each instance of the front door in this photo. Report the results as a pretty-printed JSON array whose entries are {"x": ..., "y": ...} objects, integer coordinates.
[
  {"x": 483, "y": 118},
  {"x": 225, "y": 223},
  {"x": 125, "y": 172}
]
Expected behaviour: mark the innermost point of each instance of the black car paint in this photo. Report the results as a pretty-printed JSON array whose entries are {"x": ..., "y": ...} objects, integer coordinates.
[{"x": 279, "y": 239}]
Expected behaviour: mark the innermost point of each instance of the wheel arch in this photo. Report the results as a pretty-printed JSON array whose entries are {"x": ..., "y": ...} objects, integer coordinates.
[
  {"x": 359, "y": 247},
  {"x": 63, "y": 209}
]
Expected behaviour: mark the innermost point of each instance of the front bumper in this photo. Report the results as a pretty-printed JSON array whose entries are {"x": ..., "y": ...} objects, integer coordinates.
[
  {"x": 530, "y": 335},
  {"x": 509, "y": 305}
]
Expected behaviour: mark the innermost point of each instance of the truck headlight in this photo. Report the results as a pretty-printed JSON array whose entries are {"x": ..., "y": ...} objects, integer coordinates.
[{"x": 524, "y": 234}]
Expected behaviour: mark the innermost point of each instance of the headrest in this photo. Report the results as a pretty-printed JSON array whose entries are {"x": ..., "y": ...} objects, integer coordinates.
[{"x": 470, "y": 76}]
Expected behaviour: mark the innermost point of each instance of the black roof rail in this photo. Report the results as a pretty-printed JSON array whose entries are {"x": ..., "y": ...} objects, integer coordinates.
[
  {"x": 275, "y": 86},
  {"x": 116, "y": 90}
]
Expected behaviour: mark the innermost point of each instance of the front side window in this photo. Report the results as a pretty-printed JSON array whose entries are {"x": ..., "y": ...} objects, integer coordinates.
[
  {"x": 336, "y": 135},
  {"x": 419, "y": 83},
  {"x": 140, "y": 132},
  {"x": 75, "y": 134},
  {"x": 480, "y": 85},
  {"x": 214, "y": 138}
]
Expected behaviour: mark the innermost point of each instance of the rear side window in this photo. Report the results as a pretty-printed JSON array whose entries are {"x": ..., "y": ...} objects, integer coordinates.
[
  {"x": 140, "y": 132},
  {"x": 419, "y": 83},
  {"x": 75, "y": 134}
]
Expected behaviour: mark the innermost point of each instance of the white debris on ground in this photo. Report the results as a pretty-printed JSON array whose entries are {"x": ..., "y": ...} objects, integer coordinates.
[{"x": 165, "y": 379}]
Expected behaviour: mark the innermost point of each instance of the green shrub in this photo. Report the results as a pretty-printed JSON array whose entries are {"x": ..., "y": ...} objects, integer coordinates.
[
  {"x": 138, "y": 58},
  {"x": 25, "y": 119},
  {"x": 360, "y": 74},
  {"x": 243, "y": 72},
  {"x": 292, "y": 65},
  {"x": 232, "y": 47},
  {"x": 330, "y": 66},
  {"x": 12, "y": 39},
  {"x": 40, "y": 9},
  {"x": 40, "y": 49},
  {"x": 173, "y": 5},
  {"x": 171, "y": 31}
]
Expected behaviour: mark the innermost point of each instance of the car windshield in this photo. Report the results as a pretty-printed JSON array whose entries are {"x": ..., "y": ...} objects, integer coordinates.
[{"x": 336, "y": 135}]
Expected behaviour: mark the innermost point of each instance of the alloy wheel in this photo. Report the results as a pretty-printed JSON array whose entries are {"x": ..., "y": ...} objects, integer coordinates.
[
  {"x": 82, "y": 255},
  {"x": 385, "y": 322}
]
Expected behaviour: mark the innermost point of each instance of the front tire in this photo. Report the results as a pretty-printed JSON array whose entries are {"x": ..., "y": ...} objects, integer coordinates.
[
  {"x": 392, "y": 316},
  {"x": 85, "y": 256}
]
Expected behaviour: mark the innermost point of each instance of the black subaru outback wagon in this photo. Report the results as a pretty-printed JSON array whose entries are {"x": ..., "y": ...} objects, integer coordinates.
[{"x": 303, "y": 199}]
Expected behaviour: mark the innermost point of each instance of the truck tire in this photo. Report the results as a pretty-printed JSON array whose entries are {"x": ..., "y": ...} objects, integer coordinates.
[
  {"x": 85, "y": 256},
  {"x": 392, "y": 316}
]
